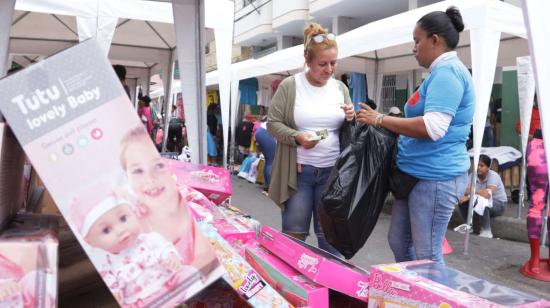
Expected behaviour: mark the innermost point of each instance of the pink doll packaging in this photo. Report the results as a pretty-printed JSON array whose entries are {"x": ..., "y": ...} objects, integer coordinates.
[
  {"x": 427, "y": 284},
  {"x": 233, "y": 225},
  {"x": 316, "y": 264},
  {"x": 214, "y": 183},
  {"x": 296, "y": 288},
  {"x": 28, "y": 262},
  {"x": 241, "y": 276},
  {"x": 95, "y": 157}
]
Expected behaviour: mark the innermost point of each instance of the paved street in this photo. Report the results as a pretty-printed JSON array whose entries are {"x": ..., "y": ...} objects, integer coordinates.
[{"x": 496, "y": 260}]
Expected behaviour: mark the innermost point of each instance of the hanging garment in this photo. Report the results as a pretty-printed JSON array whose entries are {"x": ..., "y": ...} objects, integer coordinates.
[
  {"x": 249, "y": 91},
  {"x": 358, "y": 88}
]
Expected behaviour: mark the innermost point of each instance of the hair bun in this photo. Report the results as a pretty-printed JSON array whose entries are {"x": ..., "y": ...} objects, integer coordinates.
[
  {"x": 456, "y": 18},
  {"x": 313, "y": 29}
]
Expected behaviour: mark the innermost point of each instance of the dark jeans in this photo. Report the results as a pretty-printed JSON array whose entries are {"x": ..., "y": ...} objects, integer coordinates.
[
  {"x": 267, "y": 146},
  {"x": 485, "y": 220},
  {"x": 305, "y": 203}
]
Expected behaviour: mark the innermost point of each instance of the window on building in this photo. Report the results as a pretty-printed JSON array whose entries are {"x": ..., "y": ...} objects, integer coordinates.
[{"x": 388, "y": 92}]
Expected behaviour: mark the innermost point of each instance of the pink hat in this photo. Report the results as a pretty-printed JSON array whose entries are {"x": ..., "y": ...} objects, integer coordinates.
[{"x": 92, "y": 203}]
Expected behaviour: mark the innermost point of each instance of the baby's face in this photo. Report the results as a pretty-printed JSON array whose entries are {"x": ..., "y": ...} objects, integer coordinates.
[
  {"x": 148, "y": 175},
  {"x": 115, "y": 230}
]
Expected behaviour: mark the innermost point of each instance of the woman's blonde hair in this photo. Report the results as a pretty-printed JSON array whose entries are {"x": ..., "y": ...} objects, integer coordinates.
[{"x": 311, "y": 47}]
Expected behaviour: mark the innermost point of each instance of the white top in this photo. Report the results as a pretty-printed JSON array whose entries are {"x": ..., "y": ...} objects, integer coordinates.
[
  {"x": 437, "y": 123},
  {"x": 318, "y": 108}
]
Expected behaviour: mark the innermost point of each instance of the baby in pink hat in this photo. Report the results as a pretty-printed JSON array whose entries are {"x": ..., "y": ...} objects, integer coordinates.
[{"x": 140, "y": 266}]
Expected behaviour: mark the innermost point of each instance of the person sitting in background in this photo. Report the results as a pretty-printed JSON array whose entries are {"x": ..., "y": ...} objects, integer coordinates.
[
  {"x": 489, "y": 191},
  {"x": 395, "y": 112}
]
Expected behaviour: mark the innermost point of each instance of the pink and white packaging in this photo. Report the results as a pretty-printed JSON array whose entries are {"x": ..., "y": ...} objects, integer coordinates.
[
  {"x": 214, "y": 183},
  {"x": 230, "y": 223},
  {"x": 316, "y": 264},
  {"x": 78, "y": 128},
  {"x": 296, "y": 288},
  {"x": 427, "y": 284},
  {"x": 28, "y": 262}
]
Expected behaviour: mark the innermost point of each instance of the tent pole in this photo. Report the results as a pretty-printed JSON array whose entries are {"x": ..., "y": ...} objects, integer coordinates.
[
  {"x": 523, "y": 174},
  {"x": 470, "y": 210},
  {"x": 6, "y": 11},
  {"x": 168, "y": 101}
]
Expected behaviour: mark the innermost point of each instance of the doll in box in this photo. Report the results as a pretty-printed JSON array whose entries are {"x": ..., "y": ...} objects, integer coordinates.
[{"x": 22, "y": 266}]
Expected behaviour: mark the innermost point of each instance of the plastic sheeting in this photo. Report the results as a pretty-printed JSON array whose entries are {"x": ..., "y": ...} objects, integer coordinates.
[{"x": 356, "y": 190}]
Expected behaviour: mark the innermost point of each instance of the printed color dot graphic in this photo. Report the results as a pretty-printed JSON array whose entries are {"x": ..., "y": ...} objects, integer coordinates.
[
  {"x": 97, "y": 133},
  {"x": 53, "y": 156},
  {"x": 82, "y": 141},
  {"x": 68, "y": 149}
]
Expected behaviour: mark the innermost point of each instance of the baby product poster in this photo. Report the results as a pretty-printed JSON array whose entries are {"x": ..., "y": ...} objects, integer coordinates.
[{"x": 81, "y": 133}]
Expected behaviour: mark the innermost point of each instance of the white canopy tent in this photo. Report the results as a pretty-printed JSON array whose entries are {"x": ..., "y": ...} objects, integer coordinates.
[
  {"x": 539, "y": 31},
  {"x": 99, "y": 18},
  {"x": 484, "y": 21}
]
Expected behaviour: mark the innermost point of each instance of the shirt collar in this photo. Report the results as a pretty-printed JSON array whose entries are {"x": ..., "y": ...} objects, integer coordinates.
[{"x": 444, "y": 56}]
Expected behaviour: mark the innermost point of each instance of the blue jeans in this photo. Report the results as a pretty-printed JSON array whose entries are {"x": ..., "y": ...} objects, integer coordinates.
[
  {"x": 305, "y": 202},
  {"x": 419, "y": 223},
  {"x": 268, "y": 147}
]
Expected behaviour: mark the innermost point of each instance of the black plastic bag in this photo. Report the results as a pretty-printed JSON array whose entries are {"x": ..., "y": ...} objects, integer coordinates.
[{"x": 356, "y": 189}]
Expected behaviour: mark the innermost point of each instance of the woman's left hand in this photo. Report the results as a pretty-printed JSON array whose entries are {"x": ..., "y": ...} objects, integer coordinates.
[
  {"x": 348, "y": 110},
  {"x": 366, "y": 115}
]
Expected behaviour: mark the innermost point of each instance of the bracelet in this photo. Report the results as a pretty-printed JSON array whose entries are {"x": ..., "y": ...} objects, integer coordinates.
[{"x": 378, "y": 120}]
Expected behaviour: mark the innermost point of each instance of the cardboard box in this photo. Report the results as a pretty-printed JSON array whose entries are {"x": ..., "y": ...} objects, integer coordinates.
[
  {"x": 214, "y": 183},
  {"x": 296, "y": 288},
  {"x": 316, "y": 264},
  {"x": 427, "y": 284},
  {"x": 219, "y": 294},
  {"x": 28, "y": 262},
  {"x": 11, "y": 174},
  {"x": 73, "y": 119}
]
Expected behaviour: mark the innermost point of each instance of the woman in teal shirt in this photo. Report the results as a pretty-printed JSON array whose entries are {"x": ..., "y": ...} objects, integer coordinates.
[{"x": 432, "y": 142}]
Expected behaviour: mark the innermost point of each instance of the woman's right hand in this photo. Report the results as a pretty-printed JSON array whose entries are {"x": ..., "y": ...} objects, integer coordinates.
[{"x": 305, "y": 140}]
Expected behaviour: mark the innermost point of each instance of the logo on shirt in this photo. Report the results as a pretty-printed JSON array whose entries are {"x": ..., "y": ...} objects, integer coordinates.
[{"x": 414, "y": 98}]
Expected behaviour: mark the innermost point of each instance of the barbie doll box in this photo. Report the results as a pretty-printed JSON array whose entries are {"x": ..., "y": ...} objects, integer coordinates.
[
  {"x": 427, "y": 284},
  {"x": 214, "y": 183},
  {"x": 316, "y": 264},
  {"x": 296, "y": 288},
  {"x": 73, "y": 119},
  {"x": 28, "y": 262}
]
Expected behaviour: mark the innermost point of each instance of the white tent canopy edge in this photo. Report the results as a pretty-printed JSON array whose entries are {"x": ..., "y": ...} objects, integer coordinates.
[{"x": 95, "y": 18}]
